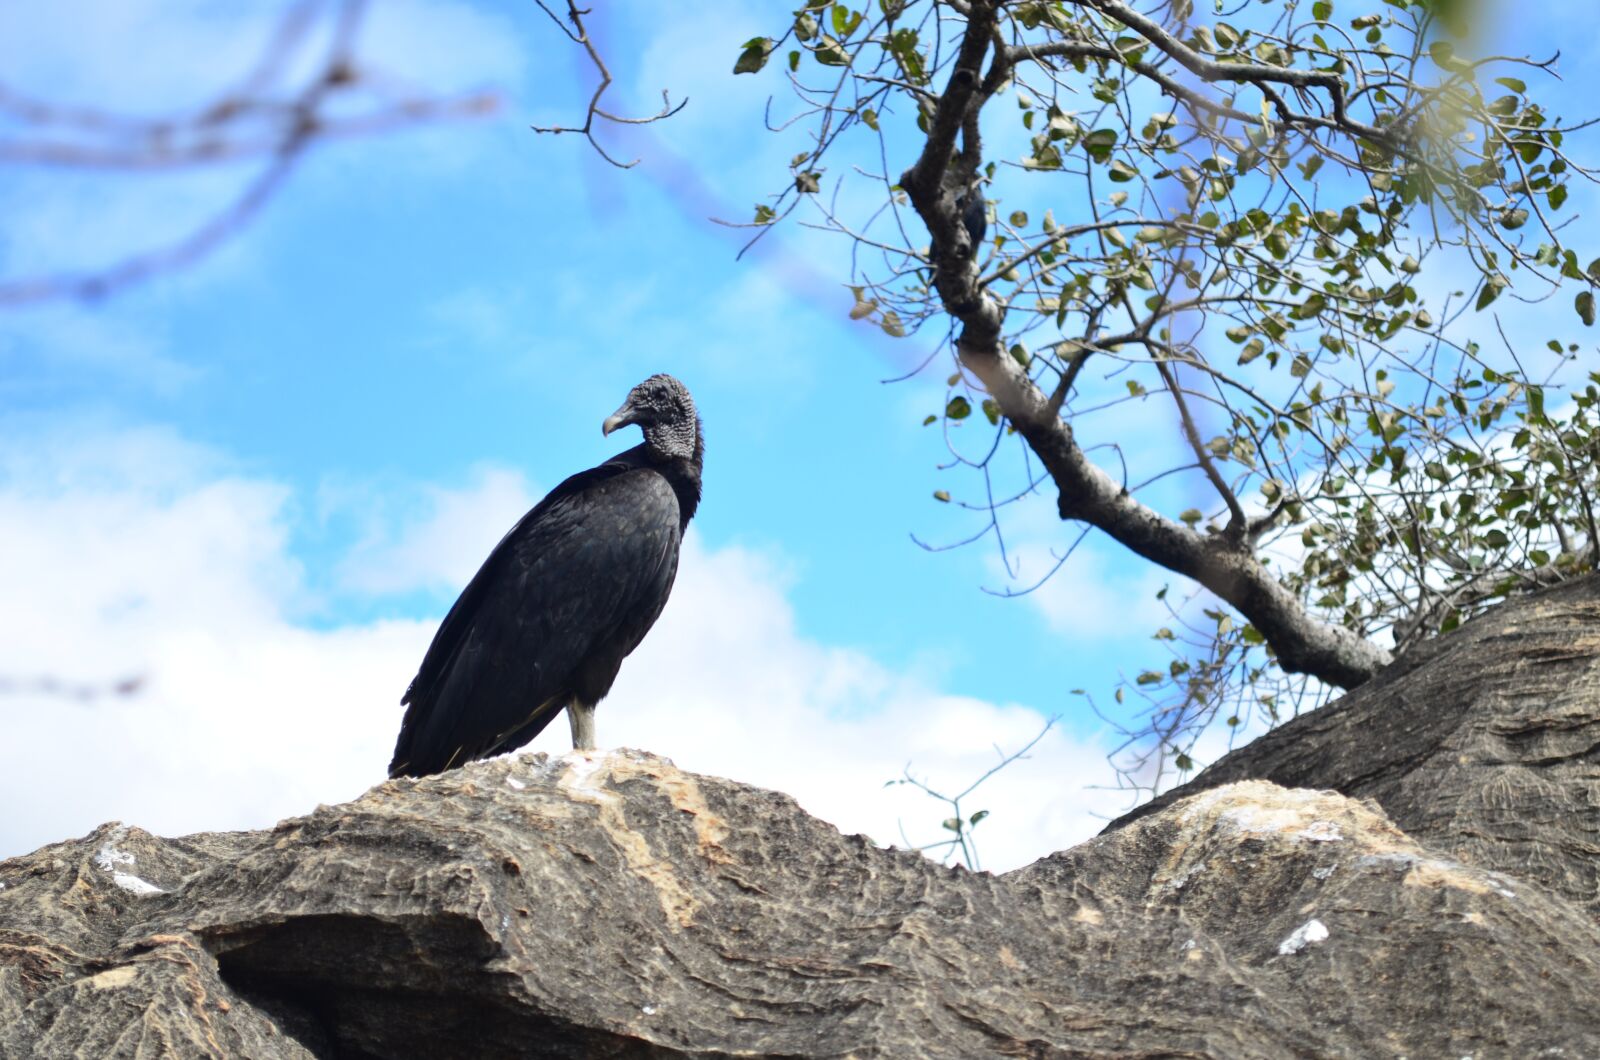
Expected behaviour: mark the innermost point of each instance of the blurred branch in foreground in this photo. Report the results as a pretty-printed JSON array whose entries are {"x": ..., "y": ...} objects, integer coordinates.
[
  {"x": 47, "y": 685},
  {"x": 307, "y": 87}
]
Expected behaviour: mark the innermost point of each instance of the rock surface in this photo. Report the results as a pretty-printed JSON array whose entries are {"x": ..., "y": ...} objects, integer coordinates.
[
  {"x": 614, "y": 906},
  {"x": 611, "y": 905},
  {"x": 1483, "y": 744}
]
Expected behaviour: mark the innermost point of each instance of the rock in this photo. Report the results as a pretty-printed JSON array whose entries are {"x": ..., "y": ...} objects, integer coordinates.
[
  {"x": 611, "y": 905},
  {"x": 1483, "y": 744}
]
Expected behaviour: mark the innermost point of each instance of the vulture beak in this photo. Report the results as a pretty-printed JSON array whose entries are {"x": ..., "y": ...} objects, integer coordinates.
[{"x": 620, "y": 418}]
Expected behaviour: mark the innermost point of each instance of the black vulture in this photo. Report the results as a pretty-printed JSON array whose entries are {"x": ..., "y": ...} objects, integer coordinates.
[{"x": 563, "y": 598}]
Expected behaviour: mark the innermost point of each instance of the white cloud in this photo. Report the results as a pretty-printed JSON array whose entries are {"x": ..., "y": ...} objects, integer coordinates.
[
  {"x": 137, "y": 553},
  {"x": 727, "y": 685},
  {"x": 130, "y": 555},
  {"x": 441, "y": 547},
  {"x": 1095, "y": 595},
  {"x": 1102, "y": 593}
]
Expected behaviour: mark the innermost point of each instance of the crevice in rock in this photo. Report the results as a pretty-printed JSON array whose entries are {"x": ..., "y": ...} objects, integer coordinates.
[{"x": 363, "y": 988}]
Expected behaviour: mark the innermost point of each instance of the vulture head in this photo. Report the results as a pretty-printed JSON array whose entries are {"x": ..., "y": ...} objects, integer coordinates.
[{"x": 662, "y": 407}]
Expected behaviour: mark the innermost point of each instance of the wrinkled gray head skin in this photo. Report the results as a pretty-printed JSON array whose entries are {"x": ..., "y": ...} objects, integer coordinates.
[{"x": 662, "y": 407}]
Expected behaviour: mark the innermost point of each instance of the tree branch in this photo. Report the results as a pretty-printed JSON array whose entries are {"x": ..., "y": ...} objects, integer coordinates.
[
  {"x": 1226, "y": 565},
  {"x": 578, "y": 34},
  {"x": 1237, "y": 521}
]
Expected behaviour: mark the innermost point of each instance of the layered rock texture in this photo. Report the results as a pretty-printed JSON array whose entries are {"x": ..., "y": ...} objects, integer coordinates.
[
  {"x": 1484, "y": 744},
  {"x": 1427, "y": 890}
]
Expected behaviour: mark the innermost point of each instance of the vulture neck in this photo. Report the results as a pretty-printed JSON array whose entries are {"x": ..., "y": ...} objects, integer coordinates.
[{"x": 681, "y": 472}]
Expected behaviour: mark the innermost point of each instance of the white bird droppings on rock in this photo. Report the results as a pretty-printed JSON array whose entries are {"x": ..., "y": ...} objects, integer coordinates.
[
  {"x": 513, "y": 782},
  {"x": 135, "y": 884},
  {"x": 110, "y": 857},
  {"x": 649, "y": 1010},
  {"x": 1311, "y": 931},
  {"x": 581, "y": 766},
  {"x": 1320, "y": 832}
]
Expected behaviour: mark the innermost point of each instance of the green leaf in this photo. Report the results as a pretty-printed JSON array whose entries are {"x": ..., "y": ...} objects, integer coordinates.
[
  {"x": 830, "y": 52},
  {"x": 1099, "y": 143},
  {"x": 808, "y": 182},
  {"x": 1511, "y": 220},
  {"x": 958, "y": 409},
  {"x": 942, "y": 496},
  {"x": 1322, "y": 10},
  {"x": 1491, "y": 290},
  {"x": 1585, "y": 306},
  {"x": 1443, "y": 53},
  {"x": 980, "y": 815},
  {"x": 842, "y": 22},
  {"x": 754, "y": 56}
]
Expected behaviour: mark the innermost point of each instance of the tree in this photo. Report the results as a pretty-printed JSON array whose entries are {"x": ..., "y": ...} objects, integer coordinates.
[{"x": 1247, "y": 219}]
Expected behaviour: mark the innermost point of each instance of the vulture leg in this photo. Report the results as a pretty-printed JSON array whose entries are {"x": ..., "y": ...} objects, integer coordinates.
[{"x": 581, "y": 715}]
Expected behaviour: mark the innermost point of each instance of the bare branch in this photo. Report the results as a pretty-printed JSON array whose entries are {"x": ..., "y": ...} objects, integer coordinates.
[{"x": 580, "y": 35}]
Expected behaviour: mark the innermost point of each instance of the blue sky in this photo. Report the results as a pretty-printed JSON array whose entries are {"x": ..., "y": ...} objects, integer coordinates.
[{"x": 261, "y": 481}]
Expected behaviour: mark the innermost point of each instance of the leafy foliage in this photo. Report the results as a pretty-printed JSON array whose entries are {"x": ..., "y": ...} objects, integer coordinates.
[{"x": 1293, "y": 225}]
